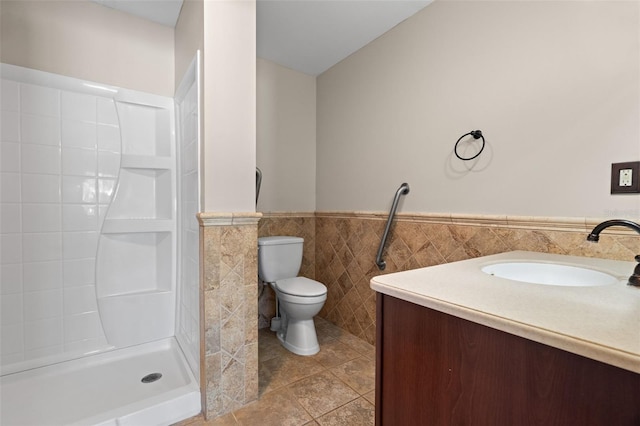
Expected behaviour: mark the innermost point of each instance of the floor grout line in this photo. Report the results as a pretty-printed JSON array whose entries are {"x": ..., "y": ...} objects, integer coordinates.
[{"x": 271, "y": 349}]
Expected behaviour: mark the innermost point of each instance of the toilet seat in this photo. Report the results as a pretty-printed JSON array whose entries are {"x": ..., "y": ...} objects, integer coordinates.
[{"x": 301, "y": 287}]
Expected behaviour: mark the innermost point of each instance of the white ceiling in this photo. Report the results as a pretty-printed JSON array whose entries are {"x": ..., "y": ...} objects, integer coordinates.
[
  {"x": 163, "y": 12},
  {"x": 309, "y": 36}
]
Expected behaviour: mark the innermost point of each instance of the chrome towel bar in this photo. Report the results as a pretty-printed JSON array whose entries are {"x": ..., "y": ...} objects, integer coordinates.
[{"x": 403, "y": 190}]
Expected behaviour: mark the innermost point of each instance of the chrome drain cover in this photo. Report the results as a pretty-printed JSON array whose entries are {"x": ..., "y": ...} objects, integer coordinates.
[{"x": 150, "y": 378}]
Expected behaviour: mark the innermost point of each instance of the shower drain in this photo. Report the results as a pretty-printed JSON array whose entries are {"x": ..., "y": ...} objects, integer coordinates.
[{"x": 150, "y": 378}]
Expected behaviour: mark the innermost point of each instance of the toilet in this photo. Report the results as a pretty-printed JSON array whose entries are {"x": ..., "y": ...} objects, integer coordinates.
[{"x": 299, "y": 299}]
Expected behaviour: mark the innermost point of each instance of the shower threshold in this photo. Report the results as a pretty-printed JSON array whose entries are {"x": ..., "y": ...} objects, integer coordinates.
[{"x": 105, "y": 389}]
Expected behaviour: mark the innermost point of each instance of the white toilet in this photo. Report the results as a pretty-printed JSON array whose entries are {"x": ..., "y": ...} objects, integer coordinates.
[{"x": 299, "y": 299}]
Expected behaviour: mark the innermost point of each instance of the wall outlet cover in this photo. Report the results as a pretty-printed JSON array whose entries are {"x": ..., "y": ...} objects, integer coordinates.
[{"x": 625, "y": 178}]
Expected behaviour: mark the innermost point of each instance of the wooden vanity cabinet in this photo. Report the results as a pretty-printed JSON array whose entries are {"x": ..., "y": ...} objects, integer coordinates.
[{"x": 437, "y": 369}]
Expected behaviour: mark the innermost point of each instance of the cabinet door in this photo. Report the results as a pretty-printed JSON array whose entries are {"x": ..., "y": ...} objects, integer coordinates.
[{"x": 436, "y": 369}]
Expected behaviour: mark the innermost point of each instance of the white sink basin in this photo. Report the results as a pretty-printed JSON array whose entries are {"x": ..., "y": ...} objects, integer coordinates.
[{"x": 550, "y": 274}]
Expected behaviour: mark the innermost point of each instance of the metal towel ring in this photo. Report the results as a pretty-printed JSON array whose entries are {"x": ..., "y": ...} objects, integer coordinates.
[{"x": 477, "y": 134}]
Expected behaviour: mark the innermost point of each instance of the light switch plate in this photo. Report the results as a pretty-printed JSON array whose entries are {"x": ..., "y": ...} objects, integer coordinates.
[{"x": 624, "y": 178}]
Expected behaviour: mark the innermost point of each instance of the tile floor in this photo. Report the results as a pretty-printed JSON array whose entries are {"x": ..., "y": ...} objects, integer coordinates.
[{"x": 333, "y": 387}]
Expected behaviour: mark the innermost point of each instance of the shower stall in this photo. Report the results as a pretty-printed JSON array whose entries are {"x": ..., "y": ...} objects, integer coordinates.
[{"x": 99, "y": 285}]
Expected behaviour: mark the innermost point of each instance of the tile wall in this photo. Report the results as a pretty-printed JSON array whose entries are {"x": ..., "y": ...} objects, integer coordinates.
[
  {"x": 346, "y": 245},
  {"x": 228, "y": 293},
  {"x": 60, "y": 154}
]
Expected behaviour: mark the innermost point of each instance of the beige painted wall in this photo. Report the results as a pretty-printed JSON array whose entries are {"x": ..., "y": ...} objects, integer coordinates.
[
  {"x": 230, "y": 106},
  {"x": 286, "y": 138},
  {"x": 189, "y": 36},
  {"x": 554, "y": 86},
  {"x": 85, "y": 40}
]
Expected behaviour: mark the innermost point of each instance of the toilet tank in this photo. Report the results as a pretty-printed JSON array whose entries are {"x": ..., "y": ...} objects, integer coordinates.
[{"x": 279, "y": 257}]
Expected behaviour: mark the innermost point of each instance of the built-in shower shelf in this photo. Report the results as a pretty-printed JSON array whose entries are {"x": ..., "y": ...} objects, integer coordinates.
[
  {"x": 122, "y": 226},
  {"x": 146, "y": 162}
]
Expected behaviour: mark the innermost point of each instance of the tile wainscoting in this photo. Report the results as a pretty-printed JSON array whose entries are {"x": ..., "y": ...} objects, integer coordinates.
[
  {"x": 229, "y": 311},
  {"x": 341, "y": 247}
]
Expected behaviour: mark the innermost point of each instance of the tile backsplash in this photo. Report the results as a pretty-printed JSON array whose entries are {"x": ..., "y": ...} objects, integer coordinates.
[{"x": 340, "y": 250}]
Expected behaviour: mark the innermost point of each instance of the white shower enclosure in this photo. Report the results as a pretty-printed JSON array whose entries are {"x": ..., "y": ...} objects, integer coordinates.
[{"x": 99, "y": 238}]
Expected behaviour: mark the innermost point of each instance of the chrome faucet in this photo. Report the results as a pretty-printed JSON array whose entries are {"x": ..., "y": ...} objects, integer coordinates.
[{"x": 594, "y": 236}]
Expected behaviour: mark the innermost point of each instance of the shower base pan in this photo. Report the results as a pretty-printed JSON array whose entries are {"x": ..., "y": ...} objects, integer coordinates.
[{"x": 106, "y": 389}]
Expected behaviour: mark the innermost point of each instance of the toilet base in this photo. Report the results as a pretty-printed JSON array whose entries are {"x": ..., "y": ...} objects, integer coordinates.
[{"x": 300, "y": 337}]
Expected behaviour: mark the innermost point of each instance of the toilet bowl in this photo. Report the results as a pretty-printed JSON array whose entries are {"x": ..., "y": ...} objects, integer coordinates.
[
  {"x": 299, "y": 298},
  {"x": 297, "y": 330}
]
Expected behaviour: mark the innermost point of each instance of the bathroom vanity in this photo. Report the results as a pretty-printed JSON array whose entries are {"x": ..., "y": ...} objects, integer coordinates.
[{"x": 456, "y": 345}]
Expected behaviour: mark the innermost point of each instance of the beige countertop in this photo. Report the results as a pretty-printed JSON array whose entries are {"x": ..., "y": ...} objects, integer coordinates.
[{"x": 601, "y": 323}]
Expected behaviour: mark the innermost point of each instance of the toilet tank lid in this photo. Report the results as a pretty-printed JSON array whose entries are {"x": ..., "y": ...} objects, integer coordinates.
[{"x": 273, "y": 241}]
